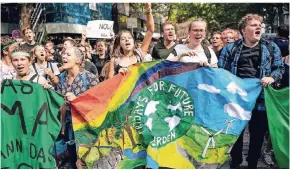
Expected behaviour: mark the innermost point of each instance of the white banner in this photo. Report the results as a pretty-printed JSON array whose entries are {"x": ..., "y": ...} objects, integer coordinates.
[{"x": 100, "y": 29}]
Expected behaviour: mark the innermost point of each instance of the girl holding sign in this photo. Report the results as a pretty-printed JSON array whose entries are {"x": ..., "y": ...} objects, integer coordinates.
[{"x": 125, "y": 52}]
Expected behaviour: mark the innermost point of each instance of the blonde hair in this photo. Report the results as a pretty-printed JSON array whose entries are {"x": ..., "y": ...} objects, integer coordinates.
[
  {"x": 167, "y": 23},
  {"x": 197, "y": 20},
  {"x": 228, "y": 30}
]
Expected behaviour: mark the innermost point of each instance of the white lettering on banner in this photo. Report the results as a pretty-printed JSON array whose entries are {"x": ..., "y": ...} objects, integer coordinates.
[
  {"x": 100, "y": 29},
  {"x": 161, "y": 140}
]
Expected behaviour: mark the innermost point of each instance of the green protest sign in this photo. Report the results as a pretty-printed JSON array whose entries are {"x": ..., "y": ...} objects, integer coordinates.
[{"x": 29, "y": 125}]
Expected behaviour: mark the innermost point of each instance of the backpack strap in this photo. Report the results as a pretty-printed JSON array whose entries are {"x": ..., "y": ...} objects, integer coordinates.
[
  {"x": 207, "y": 53},
  {"x": 234, "y": 50},
  {"x": 34, "y": 67},
  {"x": 50, "y": 65},
  {"x": 174, "y": 52},
  {"x": 270, "y": 49},
  {"x": 33, "y": 77}
]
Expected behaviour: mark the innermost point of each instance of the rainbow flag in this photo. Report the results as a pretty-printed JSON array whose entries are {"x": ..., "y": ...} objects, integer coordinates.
[{"x": 163, "y": 114}]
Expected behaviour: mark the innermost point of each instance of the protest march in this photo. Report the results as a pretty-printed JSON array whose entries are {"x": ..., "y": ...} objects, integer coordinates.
[{"x": 184, "y": 98}]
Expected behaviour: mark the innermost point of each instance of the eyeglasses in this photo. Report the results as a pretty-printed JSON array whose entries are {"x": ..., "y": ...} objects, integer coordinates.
[
  {"x": 228, "y": 38},
  {"x": 197, "y": 30}
]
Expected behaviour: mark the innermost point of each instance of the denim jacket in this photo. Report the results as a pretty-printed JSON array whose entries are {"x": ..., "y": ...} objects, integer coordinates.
[{"x": 270, "y": 66}]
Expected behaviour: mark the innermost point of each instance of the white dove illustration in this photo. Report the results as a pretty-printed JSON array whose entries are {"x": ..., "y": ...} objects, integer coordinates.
[
  {"x": 172, "y": 122},
  {"x": 174, "y": 108},
  {"x": 149, "y": 123},
  {"x": 151, "y": 107}
]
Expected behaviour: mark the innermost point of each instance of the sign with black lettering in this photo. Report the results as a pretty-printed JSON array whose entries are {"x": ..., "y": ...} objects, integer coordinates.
[
  {"x": 100, "y": 29},
  {"x": 29, "y": 125}
]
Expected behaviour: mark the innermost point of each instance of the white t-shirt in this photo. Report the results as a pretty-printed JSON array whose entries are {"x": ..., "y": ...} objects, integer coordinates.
[
  {"x": 40, "y": 71},
  {"x": 181, "y": 48}
]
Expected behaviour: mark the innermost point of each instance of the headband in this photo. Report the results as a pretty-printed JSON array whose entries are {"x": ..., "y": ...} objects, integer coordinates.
[
  {"x": 11, "y": 43},
  {"x": 19, "y": 53}
]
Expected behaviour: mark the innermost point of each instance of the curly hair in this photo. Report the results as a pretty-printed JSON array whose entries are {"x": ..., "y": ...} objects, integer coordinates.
[{"x": 244, "y": 21}]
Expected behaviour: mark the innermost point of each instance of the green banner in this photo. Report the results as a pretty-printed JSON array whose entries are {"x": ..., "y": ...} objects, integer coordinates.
[
  {"x": 277, "y": 104},
  {"x": 29, "y": 125}
]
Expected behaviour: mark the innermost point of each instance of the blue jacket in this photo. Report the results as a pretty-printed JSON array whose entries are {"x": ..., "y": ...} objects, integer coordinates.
[
  {"x": 283, "y": 46},
  {"x": 269, "y": 66}
]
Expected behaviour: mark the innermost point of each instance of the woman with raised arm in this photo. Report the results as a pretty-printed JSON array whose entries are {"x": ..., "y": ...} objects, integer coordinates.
[{"x": 125, "y": 52}]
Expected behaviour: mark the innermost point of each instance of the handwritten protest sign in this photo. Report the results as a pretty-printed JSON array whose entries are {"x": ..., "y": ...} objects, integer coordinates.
[
  {"x": 182, "y": 30},
  {"x": 100, "y": 29},
  {"x": 29, "y": 125},
  {"x": 132, "y": 23}
]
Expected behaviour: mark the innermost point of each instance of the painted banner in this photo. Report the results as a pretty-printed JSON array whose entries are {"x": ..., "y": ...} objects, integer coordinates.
[
  {"x": 277, "y": 105},
  {"x": 100, "y": 29},
  {"x": 29, "y": 125},
  {"x": 163, "y": 114}
]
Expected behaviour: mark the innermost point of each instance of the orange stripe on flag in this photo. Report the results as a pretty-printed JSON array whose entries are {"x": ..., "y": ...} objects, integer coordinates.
[{"x": 96, "y": 100}]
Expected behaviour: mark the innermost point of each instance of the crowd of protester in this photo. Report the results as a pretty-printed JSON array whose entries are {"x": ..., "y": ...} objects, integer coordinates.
[{"x": 72, "y": 66}]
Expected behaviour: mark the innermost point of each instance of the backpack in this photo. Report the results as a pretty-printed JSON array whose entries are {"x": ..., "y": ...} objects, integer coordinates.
[
  {"x": 83, "y": 76},
  {"x": 206, "y": 52}
]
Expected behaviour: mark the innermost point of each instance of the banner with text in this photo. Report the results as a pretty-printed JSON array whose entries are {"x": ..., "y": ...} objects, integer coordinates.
[
  {"x": 100, "y": 29},
  {"x": 29, "y": 125},
  {"x": 163, "y": 114}
]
